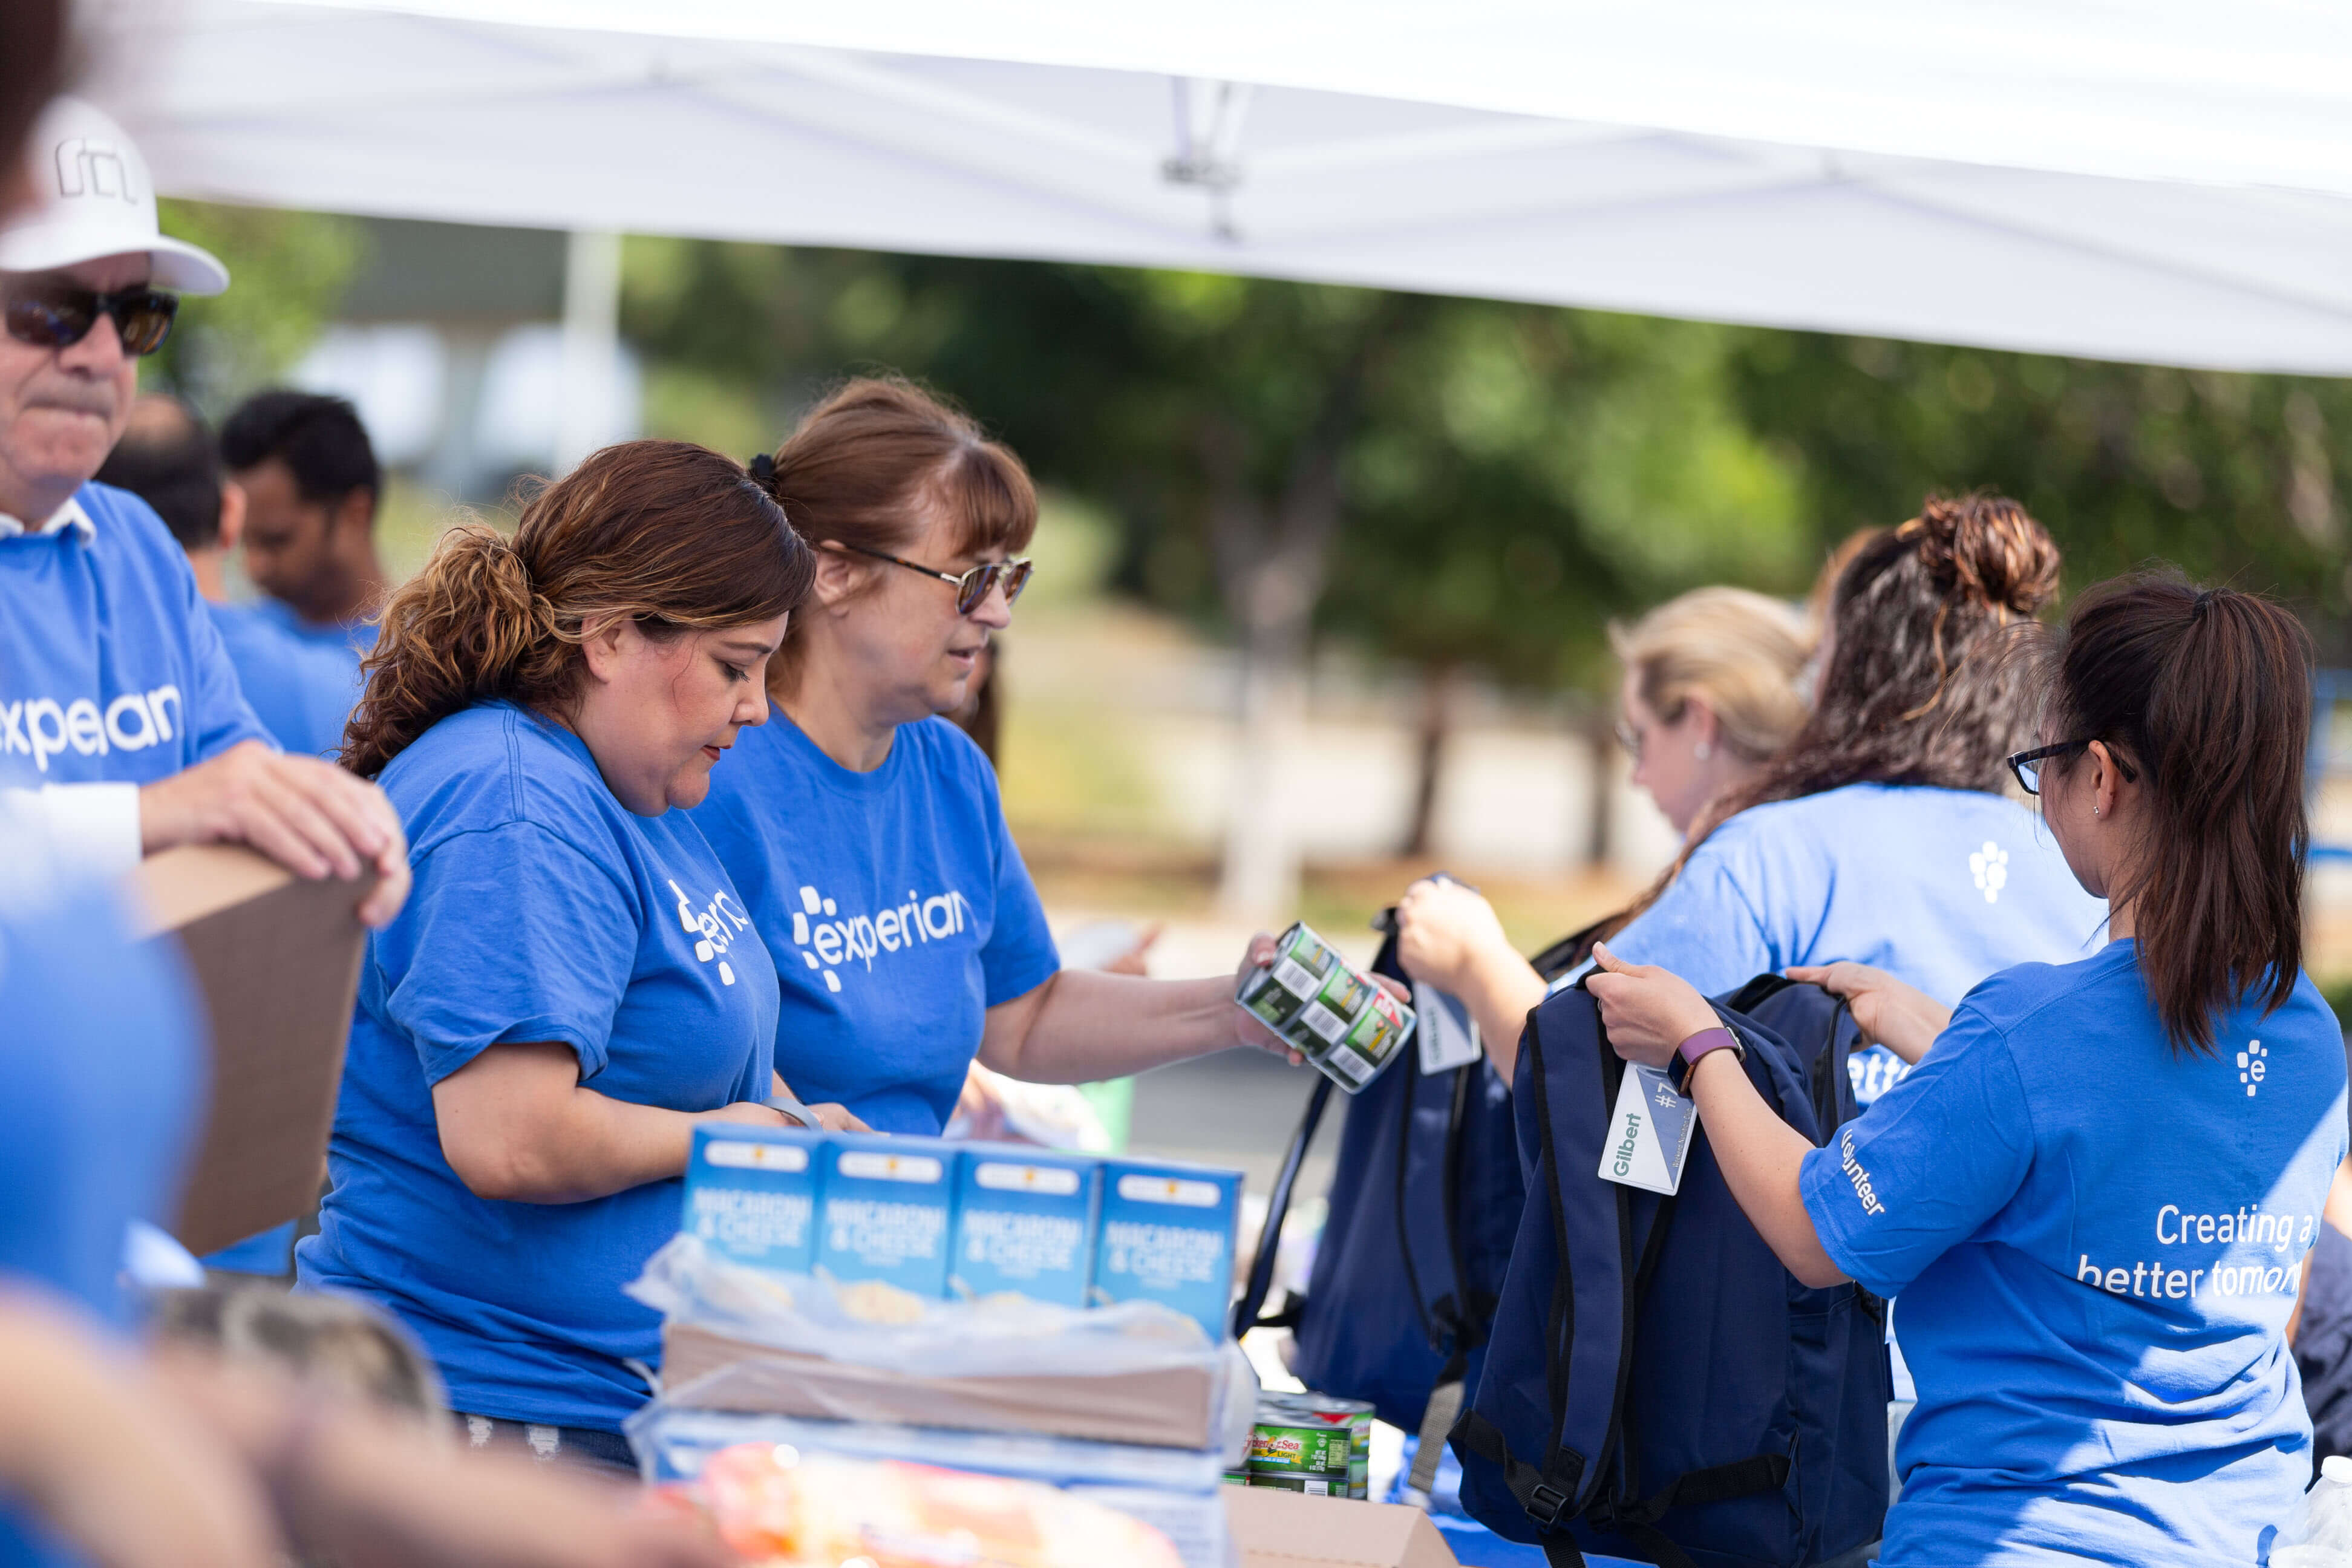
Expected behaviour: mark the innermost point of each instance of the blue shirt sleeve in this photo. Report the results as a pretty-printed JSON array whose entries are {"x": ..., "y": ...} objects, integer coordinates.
[
  {"x": 1020, "y": 955},
  {"x": 1928, "y": 1164},
  {"x": 511, "y": 935},
  {"x": 1706, "y": 927},
  {"x": 218, "y": 716}
]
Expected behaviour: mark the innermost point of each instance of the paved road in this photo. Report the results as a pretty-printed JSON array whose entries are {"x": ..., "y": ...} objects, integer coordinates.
[{"x": 1238, "y": 1111}]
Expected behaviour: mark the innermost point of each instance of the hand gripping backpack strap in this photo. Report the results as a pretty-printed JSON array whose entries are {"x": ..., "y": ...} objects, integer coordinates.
[{"x": 1278, "y": 1207}]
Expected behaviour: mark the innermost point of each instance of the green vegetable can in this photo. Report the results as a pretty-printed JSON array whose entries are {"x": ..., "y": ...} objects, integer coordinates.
[
  {"x": 1336, "y": 1016},
  {"x": 1311, "y": 1443}
]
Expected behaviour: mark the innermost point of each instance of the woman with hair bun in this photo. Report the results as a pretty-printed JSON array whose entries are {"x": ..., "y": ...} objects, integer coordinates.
[
  {"x": 2096, "y": 1192},
  {"x": 1882, "y": 834},
  {"x": 575, "y": 983},
  {"x": 1711, "y": 691}
]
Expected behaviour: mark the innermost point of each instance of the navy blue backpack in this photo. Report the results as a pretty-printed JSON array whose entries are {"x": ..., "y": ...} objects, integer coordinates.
[{"x": 1657, "y": 1385}]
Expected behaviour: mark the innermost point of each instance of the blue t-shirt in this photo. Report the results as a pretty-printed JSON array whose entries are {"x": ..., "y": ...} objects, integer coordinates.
[
  {"x": 1937, "y": 887},
  {"x": 543, "y": 911},
  {"x": 301, "y": 689},
  {"x": 2097, "y": 1244},
  {"x": 100, "y": 1091},
  {"x": 110, "y": 669},
  {"x": 356, "y": 639},
  {"x": 896, "y": 908}
]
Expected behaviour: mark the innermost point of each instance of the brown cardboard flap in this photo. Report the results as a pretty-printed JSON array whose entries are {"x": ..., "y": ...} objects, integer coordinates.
[
  {"x": 1290, "y": 1530},
  {"x": 276, "y": 960},
  {"x": 1170, "y": 1407}
]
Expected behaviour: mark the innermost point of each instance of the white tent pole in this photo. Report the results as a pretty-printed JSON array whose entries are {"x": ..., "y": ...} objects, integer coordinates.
[{"x": 591, "y": 345}]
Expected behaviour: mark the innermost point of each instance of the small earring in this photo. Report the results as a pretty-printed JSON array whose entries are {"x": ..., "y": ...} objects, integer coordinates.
[
  {"x": 1702, "y": 751},
  {"x": 2095, "y": 811}
]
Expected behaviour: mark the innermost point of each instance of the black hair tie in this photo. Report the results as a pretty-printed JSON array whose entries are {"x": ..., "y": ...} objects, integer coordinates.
[
  {"x": 763, "y": 470},
  {"x": 2204, "y": 602}
]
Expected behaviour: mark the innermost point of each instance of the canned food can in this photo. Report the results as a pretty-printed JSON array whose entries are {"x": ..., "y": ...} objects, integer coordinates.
[
  {"x": 1340, "y": 1018},
  {"x": 1345, "y": 1423}
]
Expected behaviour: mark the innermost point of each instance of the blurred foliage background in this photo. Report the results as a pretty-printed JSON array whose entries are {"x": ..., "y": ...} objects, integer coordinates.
[{"x": 1510, "y": 476}]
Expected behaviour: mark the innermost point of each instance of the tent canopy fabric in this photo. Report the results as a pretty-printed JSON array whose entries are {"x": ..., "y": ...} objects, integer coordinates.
[{"x": 2157, "y": 181}]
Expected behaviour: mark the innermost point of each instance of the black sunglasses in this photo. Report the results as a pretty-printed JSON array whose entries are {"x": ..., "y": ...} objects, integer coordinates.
[
  {"x": 972, "y": 587},
  {"x": 56, "y": 317},
  {"x": 2027, "y": 765}
]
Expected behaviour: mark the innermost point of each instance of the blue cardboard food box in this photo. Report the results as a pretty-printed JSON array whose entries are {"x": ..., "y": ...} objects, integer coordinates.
[
  {"x": 888, "y": 1204},
  {"x": 1167, "y": 1236},
  {"x": 1024, "y": 1222},
  {"x": 751, "y": 1194}
]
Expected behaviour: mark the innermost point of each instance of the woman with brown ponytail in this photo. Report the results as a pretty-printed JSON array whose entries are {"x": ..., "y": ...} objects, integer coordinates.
[
  {"x": 2096, "y": 1192},
  {"x": 575, "y": 983},
  {"x": 1879, "y": 834}
]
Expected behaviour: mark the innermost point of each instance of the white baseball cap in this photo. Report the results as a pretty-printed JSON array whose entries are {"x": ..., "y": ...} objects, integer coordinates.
[{"x": 94, "y": 197}]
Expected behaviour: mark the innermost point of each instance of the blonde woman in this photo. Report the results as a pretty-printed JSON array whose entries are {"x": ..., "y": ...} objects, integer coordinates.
[{"x": 1711, "y": 689}]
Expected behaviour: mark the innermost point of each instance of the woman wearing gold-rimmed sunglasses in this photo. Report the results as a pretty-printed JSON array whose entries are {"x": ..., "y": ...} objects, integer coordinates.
[{"x": 865, "y": 831}]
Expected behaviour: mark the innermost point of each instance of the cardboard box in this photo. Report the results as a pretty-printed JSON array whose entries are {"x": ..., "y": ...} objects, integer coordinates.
[
  {"x": 276, "y": 960},
  {"x": 1274, "y": 1528},
  {"x": 1024, "y": 1222},
  {"x": 1167, "y": 1236},
  {"x": 751, "y": 1196},
  {"x": 1168, "y": 1407},
  {"x": 889, "y": 1203}
]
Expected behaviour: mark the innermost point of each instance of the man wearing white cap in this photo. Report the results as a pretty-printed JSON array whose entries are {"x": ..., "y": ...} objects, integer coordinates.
[{"x": 121, "y": 718}]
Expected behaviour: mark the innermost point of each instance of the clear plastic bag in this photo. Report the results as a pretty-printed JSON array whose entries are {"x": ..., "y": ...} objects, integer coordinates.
[{"x": 1136, "y": 1371}]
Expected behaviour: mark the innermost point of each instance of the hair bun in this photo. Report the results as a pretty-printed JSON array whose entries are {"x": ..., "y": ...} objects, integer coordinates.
[{"x": 1990, "y": 548}]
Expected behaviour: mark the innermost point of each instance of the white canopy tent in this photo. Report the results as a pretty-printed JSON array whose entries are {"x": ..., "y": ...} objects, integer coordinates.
[{"x": 2163, "y": 181}]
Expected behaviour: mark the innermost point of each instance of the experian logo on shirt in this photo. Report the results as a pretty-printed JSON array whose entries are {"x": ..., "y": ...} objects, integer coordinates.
[
  {"x": 41, "y": 727},
  {"x": 828, "y": 940},
  {"x": 714, "y": 926}
]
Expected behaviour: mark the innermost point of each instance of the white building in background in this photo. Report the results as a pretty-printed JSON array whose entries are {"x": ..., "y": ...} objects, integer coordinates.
[{"x": 477, "y": 355}]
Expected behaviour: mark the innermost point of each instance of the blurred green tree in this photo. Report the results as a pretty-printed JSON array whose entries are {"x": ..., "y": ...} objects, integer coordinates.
[
  {"x": 2232, "y": 477},
  {"x": 287, "y": 273},
  {"x": 1468, "y": 484}
]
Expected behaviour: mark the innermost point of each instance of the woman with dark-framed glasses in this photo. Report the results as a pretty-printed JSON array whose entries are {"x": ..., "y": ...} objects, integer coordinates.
[
  {"x": 2095, "y": 1194},
  {"x": 864, "y": 830}
]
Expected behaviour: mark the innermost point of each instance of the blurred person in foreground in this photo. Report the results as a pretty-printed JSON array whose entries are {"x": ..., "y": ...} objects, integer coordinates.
[
  {"x": 302, "y": 693},
  {"x": 311, "y": 482},
  {"x": 1711, "y": 689},
  {"x": 121, "y": 722},
  {"x": 167, "y": 1458}
]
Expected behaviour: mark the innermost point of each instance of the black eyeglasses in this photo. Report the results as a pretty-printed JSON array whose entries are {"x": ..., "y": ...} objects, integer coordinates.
[
  {"x": 56, "y": 316},
  {"x": 2027, "y": 765},
  {"x": 972, "y": 587}
]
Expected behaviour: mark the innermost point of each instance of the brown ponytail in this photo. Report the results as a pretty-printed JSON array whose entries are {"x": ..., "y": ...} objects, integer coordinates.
[
  {"x": 668, "y": 533},
  {"x": 2207, "y": 697},
  {"x": 862, "y": 465},
  {"x": 1918, "y": 689}
]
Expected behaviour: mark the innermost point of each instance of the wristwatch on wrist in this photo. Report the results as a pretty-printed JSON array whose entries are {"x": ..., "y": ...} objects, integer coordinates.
[{"x": 1687, "y": 1054}]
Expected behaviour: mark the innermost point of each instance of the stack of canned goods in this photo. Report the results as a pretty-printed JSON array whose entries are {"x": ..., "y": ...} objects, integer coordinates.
[
  {"x": 1309, "y": 1443},
  {"x": 1337, "y": 1017}
]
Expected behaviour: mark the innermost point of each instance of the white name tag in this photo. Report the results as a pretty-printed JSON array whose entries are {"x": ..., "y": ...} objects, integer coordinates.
[
  {"x": 1449, "y": 1035},
  {"x": 1649, "y": 1132}
]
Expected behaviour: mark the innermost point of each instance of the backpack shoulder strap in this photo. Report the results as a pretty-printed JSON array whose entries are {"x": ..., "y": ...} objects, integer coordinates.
[{"x": 1277, "y": 1206}]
